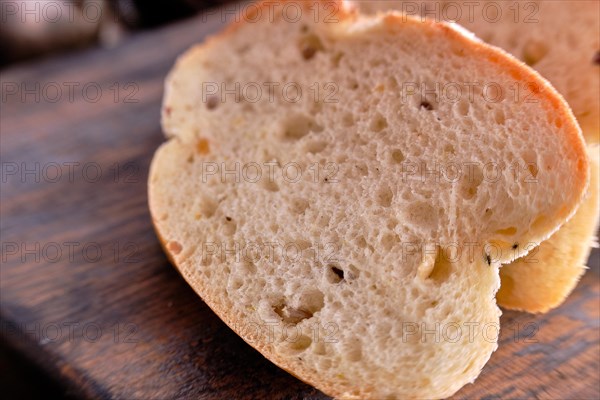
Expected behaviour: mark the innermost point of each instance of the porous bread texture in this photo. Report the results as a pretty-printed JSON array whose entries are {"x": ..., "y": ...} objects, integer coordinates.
[
  {"x": 561, "y": 40},
  {"x": 396, "y": 316},
  {"x": 542, "y": 280},
  {"x": 422, "y": 329}
]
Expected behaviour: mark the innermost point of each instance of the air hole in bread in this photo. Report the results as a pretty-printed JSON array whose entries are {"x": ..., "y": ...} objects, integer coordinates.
[
  {"x": 362, "y": 169},
  {"x": 320, "y": 350},
  {"x": 299, "y": 125},
  {"x": 309, "y": 302},
  {"x": 316, "y": 107},
  {"x": 421, "y": 214},
  {"x": 361, "y": 242},
  {"x": 290, "y": 315},
  {"x": 309, "y": 45},
  {"x": 316, "y": 146},
  {"x": 442, "y": 267},
  {"x": 415, "y": 293},
  {"x": 380, "y": 88},
  {"x": 472, "y": 178},
  {"x": 335, "y": 59},
  {"x": 206, "y": 259},
  {"x": 353, "y": 84},
  {"x": 270, "y": 185},
  {"x": 247, "y": 267},
  {"x": 347, "y": 119},
  {"x": 530, "y": 160},
  {"x": 378, "y": 123},
  {"x": 462, "y": 107},
  {"x": 353, "y": 352},
  {"x": 313, "y": 300},
  {"x": 298, "y": 205},
  {"x": 450, "y": 149},
  {"x": 229, "y": 226},
  {"x": 208, "y": 207},
  {"x": 236, "y": 283},
  {"x": 397, "y": 156},
  {"x": 212, "y": 102},
  {"x": 300, "y": 343},
  {"x": 376, "y": 62},
  {"x": 392, "y": 223},
  {"x": 533, "y": 170},
  {"x": 499, "y": 116},
  {"x": 323, "y": 220},
  {"x": 274, "y": 227},
  {"x": 388, "y": 241},
  {"x": 533, "y": 52},
  {"x": 425, "y": 105},
  {"x": 303, "y": 244},
  {"x": 384, "y": 196},
  {"x": 336, "y": 274}
]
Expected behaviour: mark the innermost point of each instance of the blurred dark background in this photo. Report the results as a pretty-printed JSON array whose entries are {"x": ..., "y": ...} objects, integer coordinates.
[{"x": 33, "y": 29}]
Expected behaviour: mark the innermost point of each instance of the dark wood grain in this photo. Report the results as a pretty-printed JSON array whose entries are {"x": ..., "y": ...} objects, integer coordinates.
[{"x": 138, "y": 331}]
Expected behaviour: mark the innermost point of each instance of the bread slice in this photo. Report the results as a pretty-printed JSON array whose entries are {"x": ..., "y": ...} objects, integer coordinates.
[
  {"x": 301, "y": 221},
  {"x": 561, "y": 40}
]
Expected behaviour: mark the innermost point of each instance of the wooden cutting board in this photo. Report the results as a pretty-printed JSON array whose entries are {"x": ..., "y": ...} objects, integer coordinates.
[{"x": 88, "y": 295}]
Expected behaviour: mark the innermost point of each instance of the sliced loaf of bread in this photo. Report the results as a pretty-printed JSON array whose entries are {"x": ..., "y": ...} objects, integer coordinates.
[{"x": 344, "y": 221}]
